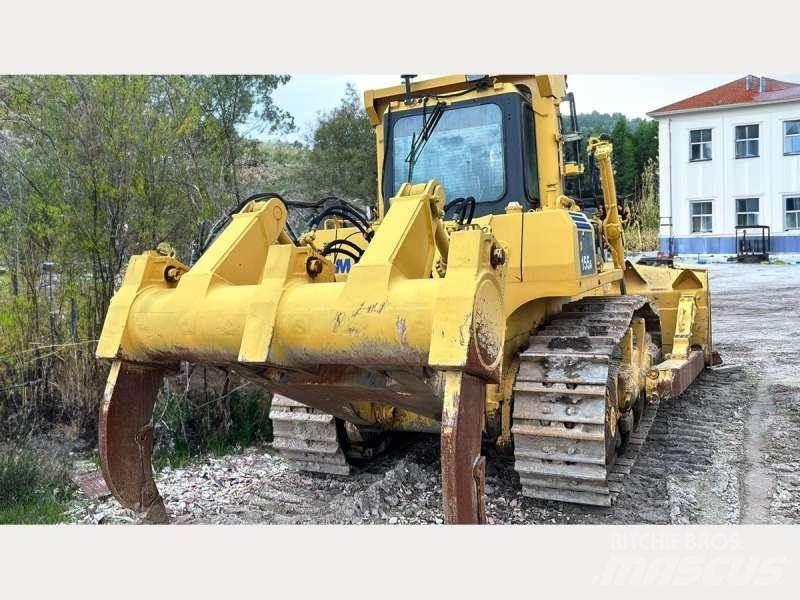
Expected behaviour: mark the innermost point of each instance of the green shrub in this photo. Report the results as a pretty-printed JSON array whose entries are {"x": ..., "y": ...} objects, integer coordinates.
[
  {"x": 40, "y": 511},
  {"x": 208, "y": 421},
  {"x": 19, "y": 477},
  {"x": 34, "y": 487},
  {"x": 249, "y": 424}
]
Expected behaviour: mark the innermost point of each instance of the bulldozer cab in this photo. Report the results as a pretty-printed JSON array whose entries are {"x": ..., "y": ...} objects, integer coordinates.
[{"x": 495, "y": 139}]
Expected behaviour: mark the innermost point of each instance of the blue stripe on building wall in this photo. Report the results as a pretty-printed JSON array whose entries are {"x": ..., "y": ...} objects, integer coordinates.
[{"x": 722, "y": 244}]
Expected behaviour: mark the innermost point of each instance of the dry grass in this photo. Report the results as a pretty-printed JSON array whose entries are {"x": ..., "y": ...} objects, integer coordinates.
[
  {"x": 641, "y": 239},
  {"x": 41, "y": 387},
  {"x": 641, "y": 233}
]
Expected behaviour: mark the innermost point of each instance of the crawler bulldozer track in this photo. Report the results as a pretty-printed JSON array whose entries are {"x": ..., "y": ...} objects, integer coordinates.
[
  {"x": 307, "y": 438},
  {"x": 564, "y": 419}
]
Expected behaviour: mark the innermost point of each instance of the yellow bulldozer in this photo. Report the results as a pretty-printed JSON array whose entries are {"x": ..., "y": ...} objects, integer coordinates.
[{"x": 475, "y": 300}]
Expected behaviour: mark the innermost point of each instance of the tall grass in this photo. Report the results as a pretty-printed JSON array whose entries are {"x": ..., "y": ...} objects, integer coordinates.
[
  {"x": 211, "y": 414},
  {"x": 45, "y": 381},
  {"x": 34, "y": 487},
  {"x": 641, "y": 232},
  {"x": 19, "y": 477}
]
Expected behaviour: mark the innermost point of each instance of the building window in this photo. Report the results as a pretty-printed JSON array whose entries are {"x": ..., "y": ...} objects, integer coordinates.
[
  {"x": 747, "y": 211},
  {"x": 791, "y": 137},
  {"x": 699, "y": 144},
  {"x": 746, "y": 141},
  {"x": 792, "y": 219},
  {"x": 701, "y": 217}
]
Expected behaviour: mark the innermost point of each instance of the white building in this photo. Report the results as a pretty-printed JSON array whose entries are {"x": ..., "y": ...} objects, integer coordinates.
[{"x": 730, "y": 156}]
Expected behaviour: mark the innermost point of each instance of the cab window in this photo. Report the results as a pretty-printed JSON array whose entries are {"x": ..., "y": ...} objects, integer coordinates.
[
  {"x": 465, "y": 152},
  {"x": 531, "y": 165}
]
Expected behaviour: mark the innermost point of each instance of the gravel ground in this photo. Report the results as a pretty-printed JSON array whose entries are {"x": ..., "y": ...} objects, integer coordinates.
[{"x": 726, "y": 451}]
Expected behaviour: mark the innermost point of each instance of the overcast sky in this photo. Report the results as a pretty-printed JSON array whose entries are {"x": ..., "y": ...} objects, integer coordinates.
[{"x": 633, "y": 95}]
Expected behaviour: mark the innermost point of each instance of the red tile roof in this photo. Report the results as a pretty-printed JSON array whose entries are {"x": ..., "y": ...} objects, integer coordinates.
[{"x": 733, "y": 93}]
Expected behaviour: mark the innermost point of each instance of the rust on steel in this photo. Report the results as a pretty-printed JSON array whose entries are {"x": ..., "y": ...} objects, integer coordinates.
[
  {"x": 463, "y": 467},
  {"x": 93, "y": 485},
  {"x": 684, "y": 375},
  {"x": 126, "y": 438}
]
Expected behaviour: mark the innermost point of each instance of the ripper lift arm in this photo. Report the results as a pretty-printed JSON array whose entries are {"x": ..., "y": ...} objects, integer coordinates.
[{"x": 612, "y": 225}]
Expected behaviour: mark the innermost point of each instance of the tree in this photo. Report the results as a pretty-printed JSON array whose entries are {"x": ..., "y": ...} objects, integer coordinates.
[
  {"x": 95, "y": 169},
  {"x": 274, "y": 166},
  {"x": 624, "y": 157},
  {"x": 98, "y": 168},
  {"x": 342, "y": 158},
  {"x": 645, "y": 141},
  {"x": 635, "y": 146},
  {"x": 595, "y": 123}
]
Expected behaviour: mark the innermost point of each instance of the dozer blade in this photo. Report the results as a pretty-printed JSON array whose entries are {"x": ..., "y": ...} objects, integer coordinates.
[{"x": 126, "y": 438}]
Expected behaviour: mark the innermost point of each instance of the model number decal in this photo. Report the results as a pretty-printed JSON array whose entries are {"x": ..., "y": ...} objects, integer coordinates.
[{"x": 586, "y": 252}]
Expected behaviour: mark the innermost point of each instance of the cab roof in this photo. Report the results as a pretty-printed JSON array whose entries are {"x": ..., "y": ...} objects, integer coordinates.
[{"x": 375, "y": 101}]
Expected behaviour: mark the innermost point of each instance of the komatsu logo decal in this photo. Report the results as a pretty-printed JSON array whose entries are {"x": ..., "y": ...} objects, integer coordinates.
[{"x": 342, "y": 265}]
